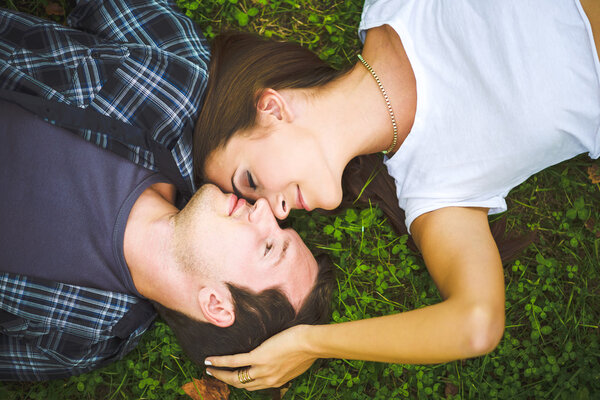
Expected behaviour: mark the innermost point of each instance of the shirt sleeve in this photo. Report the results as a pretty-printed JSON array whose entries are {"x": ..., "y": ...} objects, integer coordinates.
[
  {"x": 416, "y": 207},
  {"x": 157, "y": 23},
  {"x": 51, "y": 330}
]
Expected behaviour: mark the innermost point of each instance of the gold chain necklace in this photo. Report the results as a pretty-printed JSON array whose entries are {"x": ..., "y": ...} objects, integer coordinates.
[{"x": 387, "y": 102}]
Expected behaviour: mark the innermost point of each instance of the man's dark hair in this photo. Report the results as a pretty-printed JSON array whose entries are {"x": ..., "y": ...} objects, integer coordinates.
[{"x": 258, "y": 316}]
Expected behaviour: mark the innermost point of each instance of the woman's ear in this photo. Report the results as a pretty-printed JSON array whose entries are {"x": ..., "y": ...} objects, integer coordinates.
[
  {"x": 217, "y": 306},
  {"x": 272, "y": 104}
]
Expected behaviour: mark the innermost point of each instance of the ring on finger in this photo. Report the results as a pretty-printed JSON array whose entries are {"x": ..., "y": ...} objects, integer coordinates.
[{"x": 244, "y": 375}]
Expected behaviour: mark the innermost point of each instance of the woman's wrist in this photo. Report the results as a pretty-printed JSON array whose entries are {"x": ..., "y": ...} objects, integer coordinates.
[{"x": 309, "y": 338}]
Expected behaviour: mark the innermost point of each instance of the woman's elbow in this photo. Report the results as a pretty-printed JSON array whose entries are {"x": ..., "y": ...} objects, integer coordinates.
[{"x": 484, "y": 329}]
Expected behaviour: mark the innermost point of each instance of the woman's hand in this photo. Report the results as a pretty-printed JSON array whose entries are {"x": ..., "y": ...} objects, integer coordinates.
[
  {"x": 463, "y": 260},
  {"x": 275, "y": 362}
]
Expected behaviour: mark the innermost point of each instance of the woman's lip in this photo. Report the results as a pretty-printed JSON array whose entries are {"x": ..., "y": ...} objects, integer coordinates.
[
  {"x": 237, "y": 205},
  {"x": 301, "y": 203}
]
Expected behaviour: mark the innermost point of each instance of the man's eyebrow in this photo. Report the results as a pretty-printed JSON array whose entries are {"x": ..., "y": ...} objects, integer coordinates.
[
  {"x": 235, "y": 189},
  {"x": 286, "y": 244}
]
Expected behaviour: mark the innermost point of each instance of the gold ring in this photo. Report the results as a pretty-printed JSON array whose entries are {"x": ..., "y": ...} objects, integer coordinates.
[{"x": 244, "y": 375}]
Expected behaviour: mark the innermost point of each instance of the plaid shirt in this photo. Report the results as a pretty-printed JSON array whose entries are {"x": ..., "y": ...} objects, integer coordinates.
[
  {"x": 53, "y": 330},
  {"x": 138, "y": 61}
]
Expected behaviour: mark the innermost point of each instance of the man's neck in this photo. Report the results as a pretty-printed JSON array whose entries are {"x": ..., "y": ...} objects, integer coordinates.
[
  {"x": 148, "y": 242},
  {"x": 150, "y": 248}
]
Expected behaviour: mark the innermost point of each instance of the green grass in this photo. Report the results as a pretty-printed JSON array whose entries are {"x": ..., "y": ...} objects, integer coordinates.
[{"x": 551, "y": 346}]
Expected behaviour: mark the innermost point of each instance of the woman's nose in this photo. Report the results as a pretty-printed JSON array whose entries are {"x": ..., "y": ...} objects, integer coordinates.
[{"x": 281, "y": 209}]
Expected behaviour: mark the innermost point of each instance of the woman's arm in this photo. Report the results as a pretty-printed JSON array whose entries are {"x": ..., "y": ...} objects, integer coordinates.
[{"x": 463, "y": 260}]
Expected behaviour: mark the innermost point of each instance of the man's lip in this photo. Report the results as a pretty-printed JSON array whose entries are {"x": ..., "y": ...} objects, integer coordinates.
[
  {"x": 235, "y": 204},
  {"x": 232, "y": 202},
  {"x": 301, "y": 203}
]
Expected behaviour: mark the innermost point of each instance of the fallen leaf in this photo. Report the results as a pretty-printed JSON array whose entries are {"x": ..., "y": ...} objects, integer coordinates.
[
  {"x": 283, "y": 391},
  {"x": 594, "y": 173},
  {"x": 590, "y": 225},
  {"x": 208, "y": 389},
  {"x": 450, "y": 389},
  {"x": 278, "y": 393},
  {"x": 54, "y": 9}
]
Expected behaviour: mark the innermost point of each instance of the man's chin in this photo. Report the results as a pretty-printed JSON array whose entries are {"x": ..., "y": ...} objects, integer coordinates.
[{"x": 210, "y": 192}]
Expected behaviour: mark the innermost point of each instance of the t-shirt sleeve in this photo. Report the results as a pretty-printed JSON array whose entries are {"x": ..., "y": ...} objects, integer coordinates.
[{"x": 415, "y": 207}]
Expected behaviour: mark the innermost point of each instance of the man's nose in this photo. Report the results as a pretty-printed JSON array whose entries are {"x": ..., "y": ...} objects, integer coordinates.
[{"x": 262, "y": 214}]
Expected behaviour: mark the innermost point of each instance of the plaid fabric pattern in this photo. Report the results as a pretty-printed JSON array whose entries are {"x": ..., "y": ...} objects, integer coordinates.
[
  {"x": 53, "y": 330},
  {"x": 141, "y": 62}
]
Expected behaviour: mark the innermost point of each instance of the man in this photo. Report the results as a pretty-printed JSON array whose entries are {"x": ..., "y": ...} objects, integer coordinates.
[
  {"x": 74, "y": 213},
  {"x": 88, "y": 235}
]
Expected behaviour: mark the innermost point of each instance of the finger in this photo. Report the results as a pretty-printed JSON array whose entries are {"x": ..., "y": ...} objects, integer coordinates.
[
  {"x": 229, "y": 377},
  {"x": 233, "y": 378},
  {"x": 234, "y": 361}
]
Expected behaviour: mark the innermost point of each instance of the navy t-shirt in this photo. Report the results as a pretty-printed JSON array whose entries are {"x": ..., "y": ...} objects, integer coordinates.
[{"x": 64, "y": 204}]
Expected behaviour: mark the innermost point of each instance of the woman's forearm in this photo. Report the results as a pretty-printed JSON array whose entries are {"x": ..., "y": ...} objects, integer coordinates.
[
  {"x": 467, "y": 270},
  {"x": 454, "y": 329},
  {"x": 443, "y": 332}
]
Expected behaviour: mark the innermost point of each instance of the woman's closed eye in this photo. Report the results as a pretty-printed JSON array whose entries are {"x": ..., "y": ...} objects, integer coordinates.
[
  {"x": 249, "y": 181},
  {"x": 246, "y": 185}
]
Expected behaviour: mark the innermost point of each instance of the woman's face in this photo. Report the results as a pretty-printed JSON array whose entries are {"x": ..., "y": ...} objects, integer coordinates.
[{"x": 285, "y": 166}]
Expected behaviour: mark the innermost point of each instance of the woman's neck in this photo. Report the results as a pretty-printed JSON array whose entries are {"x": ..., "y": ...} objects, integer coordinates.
[{"x": 352, "y": 109}]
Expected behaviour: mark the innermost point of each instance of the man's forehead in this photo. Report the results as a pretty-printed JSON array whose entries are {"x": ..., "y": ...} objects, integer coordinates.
[
  {"x": 297, "y": 245},
  {"x": 304, "y": 266}
]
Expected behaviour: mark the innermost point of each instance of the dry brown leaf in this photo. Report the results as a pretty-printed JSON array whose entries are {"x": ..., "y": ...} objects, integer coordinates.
[
  {"x": 450, "y": 389},
  {"x": 590, "y": 225},
  {"x": 278, "y": 393},
  {"x": 54, "y": 9},
  {"x": 283, "y": 391},
  {"x": 209, "y": 388},
  {"x": 594, "y": 173}
]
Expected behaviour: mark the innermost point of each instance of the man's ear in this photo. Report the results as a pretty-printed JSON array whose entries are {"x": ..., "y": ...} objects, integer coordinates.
[
  {"x": 217, "y": 306},
  {"x": 272, "y": 104}
]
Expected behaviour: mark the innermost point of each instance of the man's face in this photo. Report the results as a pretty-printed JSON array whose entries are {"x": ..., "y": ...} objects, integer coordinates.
[{"x": 243, "y": 245}]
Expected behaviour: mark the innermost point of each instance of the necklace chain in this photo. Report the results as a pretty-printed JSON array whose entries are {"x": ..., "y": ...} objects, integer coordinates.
[{"x": 387, "y": 102}]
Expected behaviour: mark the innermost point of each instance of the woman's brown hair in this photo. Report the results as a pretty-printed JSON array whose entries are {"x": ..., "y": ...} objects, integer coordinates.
[
  {"x": 243, "y": 65},
  {"x": 366, "y": 181}
]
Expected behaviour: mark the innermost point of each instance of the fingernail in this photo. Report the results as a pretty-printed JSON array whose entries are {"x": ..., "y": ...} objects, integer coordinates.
[
  {"x": 208, "y": 373},
  {"x": 207, "y": 362}
]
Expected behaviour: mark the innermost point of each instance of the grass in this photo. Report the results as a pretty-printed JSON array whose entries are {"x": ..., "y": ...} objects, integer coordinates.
[{"x": 551, "y": 346}]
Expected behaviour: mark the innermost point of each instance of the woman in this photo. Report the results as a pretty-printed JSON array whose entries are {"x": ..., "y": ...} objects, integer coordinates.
[{"x": 467, "y": 98}]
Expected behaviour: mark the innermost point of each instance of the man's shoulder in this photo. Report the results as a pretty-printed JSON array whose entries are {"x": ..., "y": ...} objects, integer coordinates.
[
  {"x": 53, "y": 330},
  {"x": 156, "y": 89},
  {"x": 53, "y": 303},
  {"x": 157, "y": 23}
]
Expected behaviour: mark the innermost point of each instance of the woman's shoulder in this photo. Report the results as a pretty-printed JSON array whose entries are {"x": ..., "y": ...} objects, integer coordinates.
[{"x": 378, "y": 13}]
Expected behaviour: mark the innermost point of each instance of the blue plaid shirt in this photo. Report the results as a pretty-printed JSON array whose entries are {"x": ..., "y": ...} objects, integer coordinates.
[
  {"x": 52, "y": 330},
  {"x": 141, "y": 62},
  {"x": 145, "y": 64}
]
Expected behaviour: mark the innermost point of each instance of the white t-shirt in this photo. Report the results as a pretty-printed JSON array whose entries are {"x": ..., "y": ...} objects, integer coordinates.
[{"x": 504, "y": 90}]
